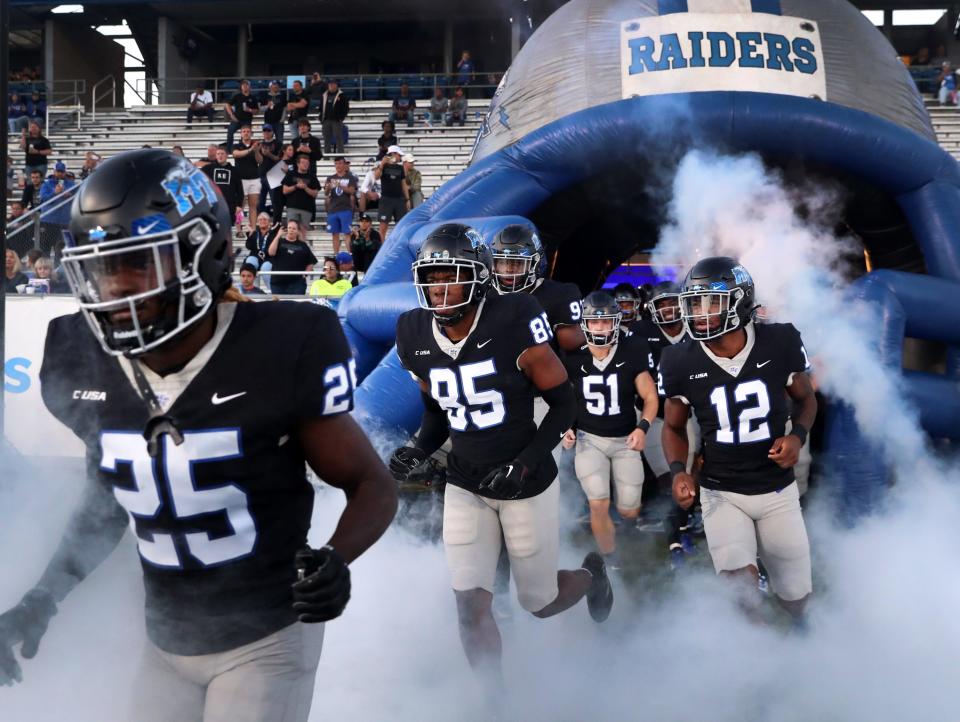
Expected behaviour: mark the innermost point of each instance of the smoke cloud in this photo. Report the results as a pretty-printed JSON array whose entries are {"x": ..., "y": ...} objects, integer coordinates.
[{"x": 883, "y": 636}]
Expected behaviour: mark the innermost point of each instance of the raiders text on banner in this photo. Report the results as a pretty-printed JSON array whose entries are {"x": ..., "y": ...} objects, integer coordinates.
[{"x": 698, "y": 52}]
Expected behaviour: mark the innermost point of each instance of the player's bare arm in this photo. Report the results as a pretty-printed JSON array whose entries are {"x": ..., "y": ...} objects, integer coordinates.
[
  {"x": 647, "y": 391},
  {"x": 786, "y": 450},
  {"x": 675, "y": 448}
]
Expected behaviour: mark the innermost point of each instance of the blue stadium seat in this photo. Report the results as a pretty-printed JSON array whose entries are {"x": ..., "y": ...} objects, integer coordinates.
[{"x": 350, "y": 88}]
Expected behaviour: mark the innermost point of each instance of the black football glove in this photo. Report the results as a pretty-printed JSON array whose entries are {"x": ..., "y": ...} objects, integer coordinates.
[
  {"x": 404, "y": 460},
  {"x": 24, "y": 624},
  {"x": 505, "y": 482},
  {"x": 323, "y": 589}
]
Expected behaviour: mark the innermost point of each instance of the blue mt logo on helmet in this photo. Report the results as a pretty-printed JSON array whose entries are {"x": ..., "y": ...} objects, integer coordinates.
[{"x": 188, "y": 187}]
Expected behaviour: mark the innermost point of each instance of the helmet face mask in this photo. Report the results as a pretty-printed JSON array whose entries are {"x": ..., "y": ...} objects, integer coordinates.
[
  {"x": 628, "y": 300},
  {"x": 717, "y": 298},
  {"x": 452, "y": 272},
  {"x": 664, "y": 306},
  {"x": 148, "y": 251},
  {"x": 517, "y": 259},
  {"x": 600, "y": 306}
]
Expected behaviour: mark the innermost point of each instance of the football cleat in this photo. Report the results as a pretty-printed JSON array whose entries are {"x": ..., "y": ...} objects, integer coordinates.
[
  {"x": 600, "y": 594},
  {"x": 678, "y": 560}
]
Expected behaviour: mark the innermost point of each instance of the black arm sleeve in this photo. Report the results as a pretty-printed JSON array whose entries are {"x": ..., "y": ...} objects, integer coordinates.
[
  {"x": 560, "y": 417},
  {"x": 434, "y": 428},
  {"x": 94, "y": 530}
]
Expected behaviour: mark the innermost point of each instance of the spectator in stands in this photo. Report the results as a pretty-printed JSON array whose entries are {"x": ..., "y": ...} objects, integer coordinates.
[
  {"x": 248, "y": 280},
  {"x": 940, "y": 57},
  {"x": 414, "y": 180},
  {"x": 948, "y": 84},
  {"x": 364, "y": 243},
  {"x": 277, "y": 202},
  {"x": 465, "y": 71},
  {"x": 404, "y": 106},
  {"x": 260, "y": 238},
  {"x": 347, "y": 271},
  {"x": 17, "y": 210},
  {"x": 200, "y": 105},
  {"x": 36, "y": 149},
  {"x": 178, "y": 150},
  {"x": 334, "y": 107},
  {"x": 387, "y": 138},
  {"x": 395, "y": 192},
  {"x": 13, "y": 276},
  {"x": 211, "y": 156},
  {"x": 43, "y": 271},
  {"x": 31, "y": 192},
  {"x": 297, "y": 107},
  {"x": 316, "y": 89},
  {"x": 370, "y": 188},
  {"x": 32, "y": 256},
  {"x": 331, "y": 284},
  {"x": 37, "y": 108},
  {"x": 91, "y": 160},
  {"x": 226, "y": 178},
  {"x": 290, "y": 253},
  {"x": 300, "y": 191},
  {"x": 308, "y": 144},
  {"x": 439, "y": 107},
  {"x": 458, "y": 108},
  {"x": 245, "y": 160},
  {"x": 274, "y": 109},
  {"x": 240, "y": 111},
  {"x": 17, "y": 117},
  {"x": 57, "y": 183},
  {"x": 921, "y": 57},
  {"x": 267, "y": 154},
  {"x": 340, "y": 190}
]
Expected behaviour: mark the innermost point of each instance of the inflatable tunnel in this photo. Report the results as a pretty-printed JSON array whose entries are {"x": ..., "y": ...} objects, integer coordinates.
[{"x": 609, "y": 94}]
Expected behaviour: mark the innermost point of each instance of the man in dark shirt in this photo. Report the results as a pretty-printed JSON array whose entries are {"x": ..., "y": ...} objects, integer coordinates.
[
  {"x": 404, "y": 106},
  {"x": 340, "y": 190},
  {"x": 387, "y": 138},
  {"x": 334, "y": 107},
  {"x": 274, "y": 108},
  {"x": 300, "y": 190},
  {"x": 226, "y": 178},
  {"x": 268, "y": 155},
  {"x": 307, "y": 144},
  {"x": 297, "y": 106},
  {"x": 240, "y": 111},
  {"x": 364, "y": 243},
  {"x": 290, "y": 253},
  {"x": 395, "y": 192},
  {"x": 36, "y": 148},
  {"x": 31, "y": 192},
  {"x": 17, "y": 209}
]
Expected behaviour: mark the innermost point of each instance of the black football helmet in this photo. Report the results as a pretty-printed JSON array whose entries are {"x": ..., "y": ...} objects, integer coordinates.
[
  {"x": 517, "y": 258},
  {"x": 459, "y": 247},
  {"x": 664, "y": 304},
  {"x": 148, "y": 252},
  {"x": 717, "y": 290},
  {"x": 601, "y": 305},
  {"x": 628, "y": 299}
]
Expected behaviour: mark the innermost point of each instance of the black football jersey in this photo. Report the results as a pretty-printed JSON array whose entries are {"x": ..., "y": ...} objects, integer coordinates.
[
  {"x": 219, "y": 518},
  {"x": 646, "y": 329},
  {"x": 487, "y": 398},
  {"x": 561, "y": 301},
  {"x": 606, "y": 397},
  {"x": 739, "y": 416}
]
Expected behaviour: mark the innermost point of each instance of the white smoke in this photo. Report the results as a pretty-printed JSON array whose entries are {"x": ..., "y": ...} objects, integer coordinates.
[{"x": 884, "y": 634}]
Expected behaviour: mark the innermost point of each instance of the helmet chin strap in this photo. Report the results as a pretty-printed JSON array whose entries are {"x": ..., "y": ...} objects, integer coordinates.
[{"x": 159, "y": 422}]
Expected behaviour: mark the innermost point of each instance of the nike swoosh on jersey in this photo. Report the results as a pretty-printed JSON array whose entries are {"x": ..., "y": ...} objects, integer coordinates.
[
  {"x": 217, "y": 400},
  {"x": 481, "y": 345},
  {"x": 761, "y": 365},
  {"x": 620, "y": 364}
]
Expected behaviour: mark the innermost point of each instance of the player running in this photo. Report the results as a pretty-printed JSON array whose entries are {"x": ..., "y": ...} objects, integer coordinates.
[
  {"x": 480, "y": 359},
  {"x": 608, "y": 376},
  {"x": 736, "y": 376},
  {"x": 200, "y": 447}
]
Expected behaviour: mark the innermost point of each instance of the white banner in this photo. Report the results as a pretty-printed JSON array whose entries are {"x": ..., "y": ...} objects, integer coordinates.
[
  {"x": 700, "y": 52},
  {"x": 30, "y": 428}
]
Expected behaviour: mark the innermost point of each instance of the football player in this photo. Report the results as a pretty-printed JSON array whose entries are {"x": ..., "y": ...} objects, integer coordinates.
[
  {"x": 662, "y": 326},
  {"x": 608, "y": 378},
  {"x": 200, "y": 448},
  {"x": 480, "y": 359},
  {"x": 518, "y": 262},
  {"x": 628, "y": 299},
  {"x": 736, "y": 375}
]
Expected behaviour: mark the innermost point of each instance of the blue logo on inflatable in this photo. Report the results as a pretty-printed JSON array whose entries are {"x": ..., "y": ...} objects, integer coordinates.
[
  {"x": 771, "y": 51},
  {"x": 16, "y": 379}
]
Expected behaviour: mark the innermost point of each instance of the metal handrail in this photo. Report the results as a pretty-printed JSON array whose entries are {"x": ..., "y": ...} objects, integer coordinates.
[
  {"x": 32, "y": 219},
  {"x": 369, "y": 84},
  {"x": 111, "y": 90}
]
